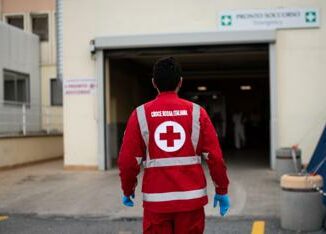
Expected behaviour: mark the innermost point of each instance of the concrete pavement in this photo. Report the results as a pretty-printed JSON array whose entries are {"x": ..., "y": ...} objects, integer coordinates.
[
  {"x": 47, "y": 190},
  {"x": 44, "y": 198},
  {"x": 39, "y": 225}
]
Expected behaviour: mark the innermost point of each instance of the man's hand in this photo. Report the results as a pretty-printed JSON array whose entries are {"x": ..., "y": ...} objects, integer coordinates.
[
  {"x": 126, "y": 200},
  {"x": 224, "y": 202}
]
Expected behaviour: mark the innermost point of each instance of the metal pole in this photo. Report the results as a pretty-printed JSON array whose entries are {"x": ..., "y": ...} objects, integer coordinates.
[
  {"x": 47, "y": 119},
  {"x": 59, "y": 38},
  {"x": 24, "y": 118},
  {"x": 59, "y": 47}
]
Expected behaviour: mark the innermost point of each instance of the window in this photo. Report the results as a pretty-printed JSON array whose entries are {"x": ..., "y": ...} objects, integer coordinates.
[
  {"x": 56, "y": 92},
  {"x": 16, "y": 20},
  {"x": 16, "y": 86},
  {"x": 40, "y": 26}
]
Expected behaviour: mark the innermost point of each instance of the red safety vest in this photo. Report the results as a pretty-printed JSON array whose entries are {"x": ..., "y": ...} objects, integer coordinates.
[{"x": 173, "y": 179}]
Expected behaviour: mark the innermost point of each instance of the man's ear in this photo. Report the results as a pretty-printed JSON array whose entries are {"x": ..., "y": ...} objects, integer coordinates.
[
  {"x": 153, "y": 83},
  {"x": 155, "y": 86},
  {"x": 179, "y": 84}
]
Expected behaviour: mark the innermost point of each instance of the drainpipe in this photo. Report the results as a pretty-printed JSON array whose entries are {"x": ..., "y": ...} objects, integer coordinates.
[{"x": 59, "y": 38}]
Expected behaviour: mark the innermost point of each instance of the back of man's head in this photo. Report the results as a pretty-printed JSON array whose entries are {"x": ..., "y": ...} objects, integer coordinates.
[{"x": 167, "y": 74}]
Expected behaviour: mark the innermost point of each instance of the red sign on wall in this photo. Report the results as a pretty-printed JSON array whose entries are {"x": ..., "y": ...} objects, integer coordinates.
[{"x": 80, "y": 86}]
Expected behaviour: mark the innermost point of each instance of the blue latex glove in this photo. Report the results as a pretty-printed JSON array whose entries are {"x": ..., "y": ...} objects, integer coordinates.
[
  {"x": 224, "y": 202},
  {"x": 126, "y": 200}
]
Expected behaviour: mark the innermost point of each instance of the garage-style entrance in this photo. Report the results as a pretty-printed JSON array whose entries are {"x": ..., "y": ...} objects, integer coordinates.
[{"x": 233, "y": 81}]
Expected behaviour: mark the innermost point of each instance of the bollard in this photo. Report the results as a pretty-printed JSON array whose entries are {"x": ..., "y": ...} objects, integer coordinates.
[
  {"x": 301, "y": 204},
  {"x": 285, "y": 163}
]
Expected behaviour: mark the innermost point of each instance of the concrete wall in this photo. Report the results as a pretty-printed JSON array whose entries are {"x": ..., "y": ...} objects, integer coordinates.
[
  {"x": 125, "y": 94},
  {"x": 31, "y": 149},
  {"x": 55, "y": 112},
  {"x": 28, "y": 7},
  {"x": 300, "y": 53},
  {"x": 124, "y": 76},
  {"x": 19, "y": 51},
  {"x": 47, "y": 48},
  {"x": 301, "y": 59},
  {"x": 13, "y": 6}
]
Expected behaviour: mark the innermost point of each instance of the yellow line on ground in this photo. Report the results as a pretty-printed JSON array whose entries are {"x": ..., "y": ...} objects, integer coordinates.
[
  {"x": 258, "y": 227},
  {"x": 3, "y": 218}
]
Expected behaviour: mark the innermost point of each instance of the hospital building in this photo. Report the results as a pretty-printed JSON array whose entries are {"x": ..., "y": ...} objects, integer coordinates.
[{"x": 263, "y": 59}]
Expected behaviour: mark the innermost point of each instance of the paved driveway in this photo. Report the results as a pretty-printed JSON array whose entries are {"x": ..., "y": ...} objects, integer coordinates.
[{"x": 46, "y": 189}]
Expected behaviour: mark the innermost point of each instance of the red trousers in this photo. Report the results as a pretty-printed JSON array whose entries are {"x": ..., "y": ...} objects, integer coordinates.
[{"x": 189, "y": 222}]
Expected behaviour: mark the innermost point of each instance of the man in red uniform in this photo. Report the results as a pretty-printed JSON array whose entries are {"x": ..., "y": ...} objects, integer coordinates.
[{"x": 171, "y": 136}]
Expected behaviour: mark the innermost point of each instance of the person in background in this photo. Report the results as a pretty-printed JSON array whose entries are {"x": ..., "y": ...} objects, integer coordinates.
[{"x": 239, "y": 130}]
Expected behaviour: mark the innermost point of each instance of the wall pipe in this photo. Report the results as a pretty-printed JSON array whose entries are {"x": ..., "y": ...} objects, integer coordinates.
[{"x": 59, "y": 38}]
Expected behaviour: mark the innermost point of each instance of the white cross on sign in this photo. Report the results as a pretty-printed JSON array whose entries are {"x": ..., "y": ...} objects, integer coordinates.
[
  {"x": 310, "y": 16},
  {"x": 226, "y": 20},
  {"x": 169, "y": 136}
]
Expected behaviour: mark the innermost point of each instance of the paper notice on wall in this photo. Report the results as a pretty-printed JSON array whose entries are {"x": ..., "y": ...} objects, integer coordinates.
[{"x": 80, "y": 86}]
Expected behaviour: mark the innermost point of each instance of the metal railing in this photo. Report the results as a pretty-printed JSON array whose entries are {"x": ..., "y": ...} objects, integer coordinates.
[{"x": 18, "y": 118}]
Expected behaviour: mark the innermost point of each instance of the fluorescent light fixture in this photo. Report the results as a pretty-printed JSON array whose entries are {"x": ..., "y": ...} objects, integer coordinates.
[
  {"x": 245, "y": 87},
  {"x": 202, "y": 88}
]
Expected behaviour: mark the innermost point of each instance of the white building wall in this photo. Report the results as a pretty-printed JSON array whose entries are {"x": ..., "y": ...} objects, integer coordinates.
[
  {"x": 48, "y": 51},
  {"x": 301, "y": 55},
  {"x": 301, "y": 70},
  {"x": 19, "y": 51},
  {"x": 55, "y": 112}
]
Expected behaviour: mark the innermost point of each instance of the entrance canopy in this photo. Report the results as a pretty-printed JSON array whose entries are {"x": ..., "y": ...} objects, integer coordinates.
[
  {"x": 182, "y": 39},
  {"x": 107, "y": 47}
]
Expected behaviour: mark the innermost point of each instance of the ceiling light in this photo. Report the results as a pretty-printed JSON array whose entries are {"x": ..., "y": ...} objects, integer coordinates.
[
  {"x": 202, "y": 88},
  {"x": 245, "y": 87}
]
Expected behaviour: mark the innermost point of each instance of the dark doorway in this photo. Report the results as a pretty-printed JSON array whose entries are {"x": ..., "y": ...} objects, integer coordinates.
[{"x": 226, "y": 80}]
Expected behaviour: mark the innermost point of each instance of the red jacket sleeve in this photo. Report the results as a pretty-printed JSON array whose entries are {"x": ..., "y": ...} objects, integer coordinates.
[
  {"x": 209, "y": 147},
  {"x": 131, "y": 153}
]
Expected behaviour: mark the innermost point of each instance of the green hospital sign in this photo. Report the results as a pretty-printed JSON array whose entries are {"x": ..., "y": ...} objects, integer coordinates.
[{"x": 269, "y": 19}]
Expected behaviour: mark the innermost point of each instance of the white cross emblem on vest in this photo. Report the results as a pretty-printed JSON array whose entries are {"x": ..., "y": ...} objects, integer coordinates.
[{"x": 169, "y": 136}]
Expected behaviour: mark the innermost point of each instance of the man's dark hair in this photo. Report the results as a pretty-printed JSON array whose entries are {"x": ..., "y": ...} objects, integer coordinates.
[{"x": 167, "y": 73}]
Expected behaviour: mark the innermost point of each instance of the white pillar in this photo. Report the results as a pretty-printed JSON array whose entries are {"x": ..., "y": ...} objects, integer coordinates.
[
  {"x": 100, "y": 108},
  {"x": 273, "y": 105}
]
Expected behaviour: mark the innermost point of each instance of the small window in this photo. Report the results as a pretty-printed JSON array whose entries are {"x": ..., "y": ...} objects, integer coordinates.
[
  {"x": 56, "y": 92},
  {"x": 40, "y": 26},
  {"x": 16, "y": 86},
  {"x": 16, "y": 20}
]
